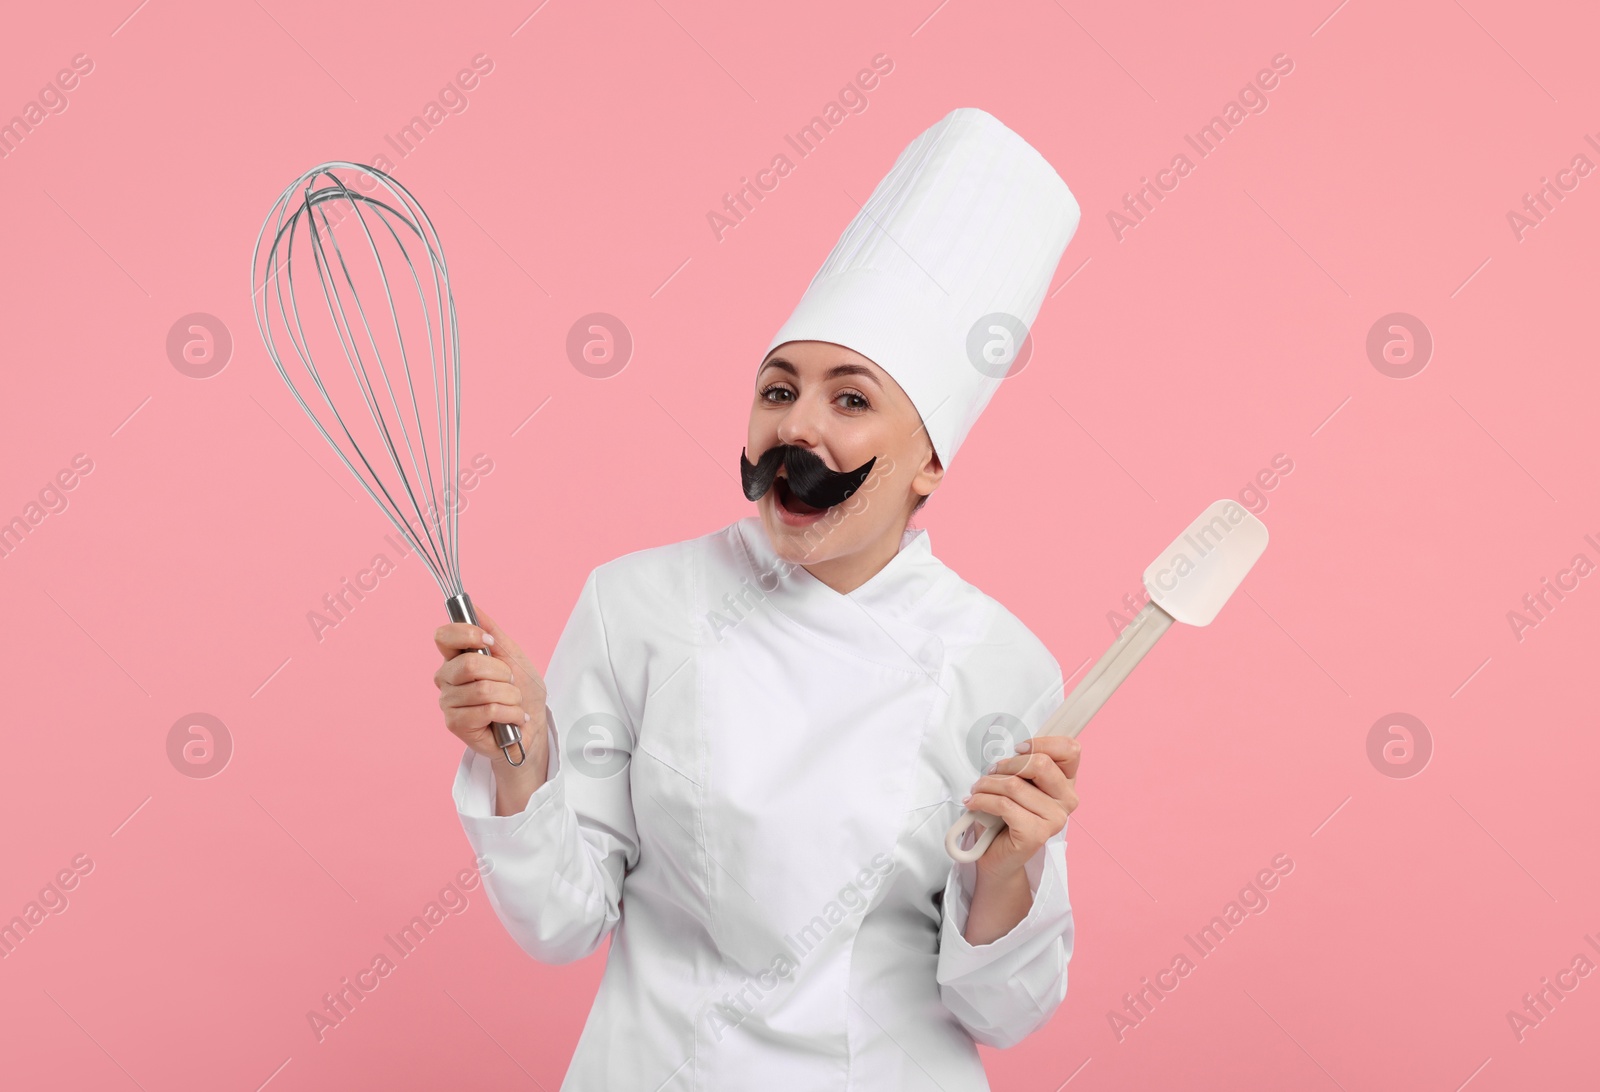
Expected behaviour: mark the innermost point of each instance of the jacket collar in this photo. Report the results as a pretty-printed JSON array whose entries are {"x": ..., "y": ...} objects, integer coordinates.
[{"x": 889, "y": 620}]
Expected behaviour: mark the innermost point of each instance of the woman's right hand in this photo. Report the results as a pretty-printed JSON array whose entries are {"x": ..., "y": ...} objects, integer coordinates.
[{"x": 477, "y": 691}]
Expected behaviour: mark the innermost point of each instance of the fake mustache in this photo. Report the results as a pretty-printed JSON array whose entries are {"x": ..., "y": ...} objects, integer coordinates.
[{"x": 810, "y": 479}]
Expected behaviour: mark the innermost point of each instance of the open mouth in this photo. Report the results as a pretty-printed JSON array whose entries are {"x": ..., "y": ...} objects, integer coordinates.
[{"x": 788, "y": 501}]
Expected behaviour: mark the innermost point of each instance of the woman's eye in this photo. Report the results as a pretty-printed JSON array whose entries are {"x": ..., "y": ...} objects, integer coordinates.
[
  {"x": 861, "y": 402},
  {"x": 766, "y": 392}
]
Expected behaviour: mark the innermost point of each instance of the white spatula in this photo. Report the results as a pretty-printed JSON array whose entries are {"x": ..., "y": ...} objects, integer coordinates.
[{"x": 1188, "y": 583}]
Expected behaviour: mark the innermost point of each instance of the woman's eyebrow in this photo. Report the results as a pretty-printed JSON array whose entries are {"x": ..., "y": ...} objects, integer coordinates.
[
  {"x": 852, "y": 369},
  {"x": 833, "y": 372}
]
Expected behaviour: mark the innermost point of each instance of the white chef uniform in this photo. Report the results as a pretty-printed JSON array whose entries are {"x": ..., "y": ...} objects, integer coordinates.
[{"x": 752, "y": 773}]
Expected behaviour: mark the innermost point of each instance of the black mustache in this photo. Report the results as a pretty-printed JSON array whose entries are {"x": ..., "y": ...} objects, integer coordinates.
[{"x": 810, "y": 479}]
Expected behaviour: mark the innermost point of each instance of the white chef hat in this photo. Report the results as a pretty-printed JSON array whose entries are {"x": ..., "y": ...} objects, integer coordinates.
[{"x": 968, "y": 225}]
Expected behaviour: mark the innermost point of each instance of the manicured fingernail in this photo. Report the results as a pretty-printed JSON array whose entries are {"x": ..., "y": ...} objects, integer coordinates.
[
  {"x": 1025, "y": 745},
  {"x": 967, "y": 798},
  {"x": 526, "y": 717},
  {"x": 488, "y": 639}
]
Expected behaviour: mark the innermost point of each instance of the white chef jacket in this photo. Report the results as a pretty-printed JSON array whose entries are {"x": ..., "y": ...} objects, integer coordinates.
[{"x": 751, "y": 779}]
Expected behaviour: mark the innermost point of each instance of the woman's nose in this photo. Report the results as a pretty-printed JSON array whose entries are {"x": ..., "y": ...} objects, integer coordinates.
[{"x": 799, "y": 425}]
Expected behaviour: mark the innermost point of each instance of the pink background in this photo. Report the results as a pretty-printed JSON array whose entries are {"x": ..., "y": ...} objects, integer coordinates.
[{"x": 1171, "y": 367}]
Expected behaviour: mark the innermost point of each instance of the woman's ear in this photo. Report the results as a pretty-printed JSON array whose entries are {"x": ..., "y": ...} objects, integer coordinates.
[{"x": 931, "y": 474}]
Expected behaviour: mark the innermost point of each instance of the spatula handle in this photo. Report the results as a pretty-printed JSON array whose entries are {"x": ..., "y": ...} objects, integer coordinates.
[{"x": 1073, "y": 714}]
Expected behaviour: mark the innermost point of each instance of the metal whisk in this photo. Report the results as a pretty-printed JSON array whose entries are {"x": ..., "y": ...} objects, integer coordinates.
[{"x": 357, "y": 225}]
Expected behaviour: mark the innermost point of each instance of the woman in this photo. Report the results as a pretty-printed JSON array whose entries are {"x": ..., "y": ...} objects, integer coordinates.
[{"x": 753, "y": 741}]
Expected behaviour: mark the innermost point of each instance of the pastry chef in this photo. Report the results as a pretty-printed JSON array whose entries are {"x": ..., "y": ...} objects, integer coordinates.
[{"x": 751, "y": 743}]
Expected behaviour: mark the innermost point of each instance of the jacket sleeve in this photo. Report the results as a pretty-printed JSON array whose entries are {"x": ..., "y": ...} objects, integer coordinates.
[
  {"x": 1004, "y": 990},
  {"x": 554, "y": 871}
]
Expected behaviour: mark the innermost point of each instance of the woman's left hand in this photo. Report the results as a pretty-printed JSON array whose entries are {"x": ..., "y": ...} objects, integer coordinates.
[{"x": 1033, "y": 792}]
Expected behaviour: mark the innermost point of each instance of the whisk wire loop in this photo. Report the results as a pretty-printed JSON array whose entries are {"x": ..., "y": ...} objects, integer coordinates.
[{"x": 430, "y": 520}]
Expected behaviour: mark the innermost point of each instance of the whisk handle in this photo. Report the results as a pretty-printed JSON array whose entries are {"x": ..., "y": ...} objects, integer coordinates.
[{"x": 505, "y": 735}]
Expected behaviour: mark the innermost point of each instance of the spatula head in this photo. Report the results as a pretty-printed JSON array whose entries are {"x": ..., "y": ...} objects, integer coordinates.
[{"x": 1199, "y": 572}]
